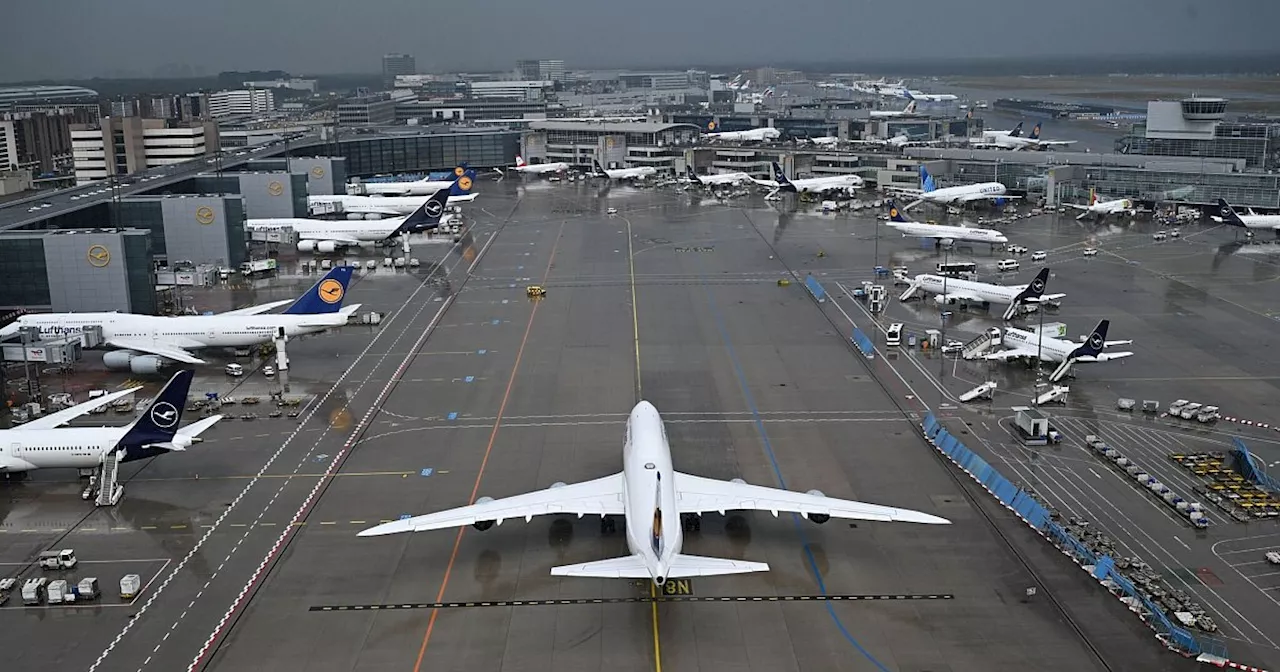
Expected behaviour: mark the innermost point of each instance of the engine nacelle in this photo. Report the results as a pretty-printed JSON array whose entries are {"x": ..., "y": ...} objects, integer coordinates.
[
  {"x": 943, "y": 300},
  {"x": 818, "y": 518},
  {"x": 483, "y": 525},
  {"x": 306, "y": 245},
  {"x": 352, "y": 216},
  {"x": 326, "y": 246},
  {"x": 373, "y": 216},
  {"x": 128, "y": 360}
]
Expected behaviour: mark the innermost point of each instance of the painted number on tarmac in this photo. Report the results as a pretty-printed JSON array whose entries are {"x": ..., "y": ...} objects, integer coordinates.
[{"x": 678, "y": 587}]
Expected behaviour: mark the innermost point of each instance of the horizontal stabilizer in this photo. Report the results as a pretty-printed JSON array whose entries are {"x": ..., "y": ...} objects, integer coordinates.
[
  {"x": 698, "y": 565},
  {"x": 682, "y": 566},
  {"x": 627, "y": 567}
]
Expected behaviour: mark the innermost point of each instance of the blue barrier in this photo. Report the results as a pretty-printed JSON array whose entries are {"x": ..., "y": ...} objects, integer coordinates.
[
  {"x": 1251, "y": 467},
  {"x": 865, "y": 346},
  {"x": 1034, "y": 513},
  {"x": 815, "y": 289}
]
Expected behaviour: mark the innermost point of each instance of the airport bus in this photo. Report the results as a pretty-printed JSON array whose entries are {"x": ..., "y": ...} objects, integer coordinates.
[{"x": 958, "y": 269}]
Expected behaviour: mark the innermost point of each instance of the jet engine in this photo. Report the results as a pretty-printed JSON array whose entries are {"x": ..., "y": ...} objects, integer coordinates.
[
  {"x": 483, "y": 525},
  {"x": 128, "y": 360},
  {"x": 373, "y": 215},
  {"x": 818, "y": 518},
  {"x": 306, "y": 245},
  {"x": 326, "y": 246},
  {"x": 351, "y": 216},
  {"x": 944, "y": 300}
]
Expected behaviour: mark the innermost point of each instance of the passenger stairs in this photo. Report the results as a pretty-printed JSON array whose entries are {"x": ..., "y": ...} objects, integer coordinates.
[
  {"x": 1056, "y": 393},
  {"x": 109, "y": 491},
  {"x": 910, "y": 293},
  {"x": 982, "y": 391},
  {"x": 980, "y": 345},
  {"x": 1061, "y": 372}
]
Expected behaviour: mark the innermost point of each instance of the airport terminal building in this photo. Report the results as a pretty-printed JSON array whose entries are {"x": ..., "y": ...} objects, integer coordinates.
[{"x": 87, "y": 270}]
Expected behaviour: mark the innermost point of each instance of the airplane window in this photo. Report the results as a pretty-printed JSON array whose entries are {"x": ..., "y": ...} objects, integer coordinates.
[{"x": 649, "y": 465}]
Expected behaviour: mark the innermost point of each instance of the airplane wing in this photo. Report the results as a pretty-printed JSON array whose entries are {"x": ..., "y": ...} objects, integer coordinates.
[
  {"x": 1112, "y": 344},
  {"x": 1056, "y": 143},
  {"x": 337, "y": 238},
  {"x": 1006, "y": 355},
  {"x": 381, "y": 210},
  {"x": 600, "y": 497},
  {"x": 259, "y": 309},
  {"x": 167, "y": 350},
  {"x": 912, "y": 204},
  {"x": 695, "y": 494},
  {"x": 968, "y": 198},
  {"x": 1104, "y": 357},
  {"x": 964, "y": 296},
  {"x": 1055, "y": 297},
  {"x": 66, "y": 415},
  {"x": 1077, "y": 206}
]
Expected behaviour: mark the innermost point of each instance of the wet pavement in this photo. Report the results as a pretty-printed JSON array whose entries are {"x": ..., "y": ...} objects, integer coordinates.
[{"x": 248, "y": 540}]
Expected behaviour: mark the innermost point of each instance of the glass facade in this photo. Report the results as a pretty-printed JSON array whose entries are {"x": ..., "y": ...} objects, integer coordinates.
[
  {"x": 27, "y": 279},
  {"x": 139, "y": 273},
  {"x": 145, "y": 215},
  {"x": 429, "y": 152},
  {"x": 237, "y": 246},
  {"x": 1257, "y": 190},
  {"x": 1257, "y": 144}
]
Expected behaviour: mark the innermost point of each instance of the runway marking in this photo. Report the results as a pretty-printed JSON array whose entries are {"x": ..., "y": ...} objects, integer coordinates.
[
  {"x": 484, "y": 462},
  {"x": 655, "y": 600}
]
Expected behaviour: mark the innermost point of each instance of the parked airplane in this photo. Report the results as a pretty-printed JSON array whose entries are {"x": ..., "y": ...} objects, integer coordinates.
[
  {"x": 1030, "y": 345},
  {"x": 1102, "y": 208},
  {"x": 658, "y": 505},
  {"x": 827, "y": 141},
  {"x": 44, "y": 443},
  {"x": 1018, "y": 143},
  {"x": 143, "y": 343},
  {"x": 716, "y": 178},
  {"x": 537, "y": 168},
  {"x": 955, "y": 290},
  {"x": 1249, "y": 221},
  {"x": 944, "y": 235},
  {"x": 623, "y": 173},
  {"x": 321, "y": 235},
  {"x": 752, "y": 135},
  {"x": 881, "y": 88},
  {"x": 373, "y": 207},
  {"x": 1014, "y": 132},
  {"x": 928, "y": 97},
  {"x": 966, "y": 193},
  {"x": 423, "y": 187},
  {"x": 909, "y": 110},
  {"x": 814, "y": 185}
]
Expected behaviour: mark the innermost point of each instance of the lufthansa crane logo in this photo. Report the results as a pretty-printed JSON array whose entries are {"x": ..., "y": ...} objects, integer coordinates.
[
  {"x": 711, "y": 125},
  {"x": 331, "y": 291},
  {"x": 317, "y": 171},
  {"x": 1095, "y": 341},
  {"x": 893, "y": 212},
  {"x": 609, "y": 143},
  {"x": 204, "y": 214},
  {"x": 275, "y": 188},
  {"x": 434, "y": 209},
  {"x": 164, "y": 415},
  {"x": 99, "y": 256},
  {"x": 464, "y": 183},
  {"x": 458, "y": 171},
  {"x": 1037, "y": 285}
]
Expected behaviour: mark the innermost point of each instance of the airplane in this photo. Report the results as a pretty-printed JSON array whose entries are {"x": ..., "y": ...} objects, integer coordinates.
[
  {"x": 716, "y": 178},
  {"x": 1102, "y": 208},
  {"x": 928, "y": 97},
  {"x": 944, "y": 235},
  {"x": 658, "y": 505},
  {"x": 827, "y": 141},
  {"x": 391, "y": 206},
  {"x": 623, "y": 173},
  {"x": 1249, "y": 221},
  {"x": 145, "y": 343},
  {"x": 1014, "y": 132},
  {"x": 909, "y": 110},
  {"x": 537, "y": 168},
  {"x": 44, "y": 443},
  {"x": 966, "y": 193},
  {"x": 1022, "y": 344},
  {"x": 881, "y": 88},
  {"x": 752, "y": 135},
  {"x": 815, "y": 185},
  {"x": 423, "y": 187},
  {"x": 1018, "y": 143},
  {"x": 955, "y": 290},
  {"x": 321, "y": 235}
]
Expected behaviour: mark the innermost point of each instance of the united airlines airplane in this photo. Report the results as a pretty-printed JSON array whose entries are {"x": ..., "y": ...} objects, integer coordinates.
[
  {"x": 965, "y": 193},
  {"x": 658, "y": 504}
]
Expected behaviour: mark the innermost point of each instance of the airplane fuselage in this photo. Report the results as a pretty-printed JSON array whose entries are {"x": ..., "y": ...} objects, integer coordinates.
[
  {"x": 821, "y": 184},
  {"x": 629, "y": 173},
  {"x": 191, "y": 331},
  {"x": 653, "y": 524},
  {"x": 540, "y": 168},
  {"x": 937, "y": 284},
  {"x": 319, "y": 229},
  {"x": 950, "y": 233},
  {"x": 403, "y": 205},
  {"x": 1030, "y": 343},
  {"x": 949, "y": 195},
  {"x": 723, "y": 178},
  {"x": 67, "y": 447},
  {"x": 424, "y": 188}
]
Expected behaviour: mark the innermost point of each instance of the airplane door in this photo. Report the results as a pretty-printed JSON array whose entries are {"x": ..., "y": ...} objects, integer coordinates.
[{"x": 15, "y": 449}]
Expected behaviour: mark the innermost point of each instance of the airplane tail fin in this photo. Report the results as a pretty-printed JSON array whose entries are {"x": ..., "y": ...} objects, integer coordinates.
[
  {"x": 324, "y": 296},
  {"x": 427, "y": 216},
  {"x": 520, "y": 161},
  {"x": 1229, "y": 215},
  {"x": 1017, "y": 131},
  {"x": 159, "y": 423},
  {"x": 1035, "y": 131},
  {"x": 910, "y": 108},
  {"x": 1034, "y": 290},
  {"x": 895, "y": 215},
  {"x": 599, "y": 168},
  {"x": 926, "y": 180},
  {"x": 780, "y": 176},
  {"x": 462, "y": 185},
  {"x": 1095, "y": 344}
]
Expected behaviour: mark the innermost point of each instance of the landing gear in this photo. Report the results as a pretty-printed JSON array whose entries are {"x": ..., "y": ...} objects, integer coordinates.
[
  {"x": 608, "y": 525},
  {"x": 691, "y": 522}
]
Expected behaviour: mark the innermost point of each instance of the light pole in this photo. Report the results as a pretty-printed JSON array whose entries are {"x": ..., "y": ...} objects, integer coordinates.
[{"x": 942, "y": 361}]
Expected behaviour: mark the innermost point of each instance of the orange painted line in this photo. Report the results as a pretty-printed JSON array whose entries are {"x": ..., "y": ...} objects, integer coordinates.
[{"x": 484, "y": 462}]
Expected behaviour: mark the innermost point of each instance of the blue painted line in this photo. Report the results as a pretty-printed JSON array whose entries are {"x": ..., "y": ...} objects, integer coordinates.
[
  {"x": 758, "y": 421},
  {"x": 427, "y": 471},
  {"x": 453, "y": 415},
  {"x": 470, "y": 379},
  {"x": 481, "y": 352}
]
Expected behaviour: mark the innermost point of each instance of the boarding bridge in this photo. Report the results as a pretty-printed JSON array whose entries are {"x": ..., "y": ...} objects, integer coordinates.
[
  {"x": 980, "y": 345},
  {"x": 1056, "y": 393},
  {"x": 109, "y": 491},
  {"x": 983, "y": 391}
]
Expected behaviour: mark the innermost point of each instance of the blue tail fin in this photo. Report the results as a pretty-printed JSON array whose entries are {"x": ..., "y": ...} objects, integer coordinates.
[
  {"x": 1228, "y": 213},
  {"x": 599, "y": 168},
  {"x": 427, "y": 216},
  {"x": 780, "y": 176},
  {"x": 460, "y": 170},
  {"x": 1035, "y": 131},
  {"x": 462, "y": 185},
  {"x": 895, "y": 215},
  {"x": 159, "y": 423},
  {"x": 325, "y": 296},
  {"x": 926, "y": 180},
  {"x": 1017, "y": 131},
  {"x": 1095, "y": 344},
  {"x": 1036, "y": 288}
]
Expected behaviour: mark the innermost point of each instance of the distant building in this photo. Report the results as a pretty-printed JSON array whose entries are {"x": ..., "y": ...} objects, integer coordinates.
[
  {"x": 240, "y": 102},
  {"x": 1195, "y": 127},
  {"x": 531, "y": 90},
  {"x": 39, "y": 141},
  {"x": 397, "y": 64},
  {"x": 665, "y": 80},
  {"x": 311, "y": 85},
  {"x": 28, "y": 95},
  {"x": 124, "y": 145},
  {"x": 613, "y": 143},
  {"x": 374, "y": 109},
  {"x": 548, "y": 70}
]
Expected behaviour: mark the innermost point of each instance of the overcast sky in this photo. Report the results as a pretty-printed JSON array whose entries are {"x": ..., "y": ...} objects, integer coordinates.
[{"x": 82, "y": 38}]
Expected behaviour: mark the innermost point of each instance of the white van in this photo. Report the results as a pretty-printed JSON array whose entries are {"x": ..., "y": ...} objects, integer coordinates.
[
  {"x": 234, "y": 370},
  {"x": 893, "y": 337},
  {"x": 1005, "y": 265}
]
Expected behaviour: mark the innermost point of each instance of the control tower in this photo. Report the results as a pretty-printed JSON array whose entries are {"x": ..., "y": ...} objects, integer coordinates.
[{"x": 1187, "y": 119}]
